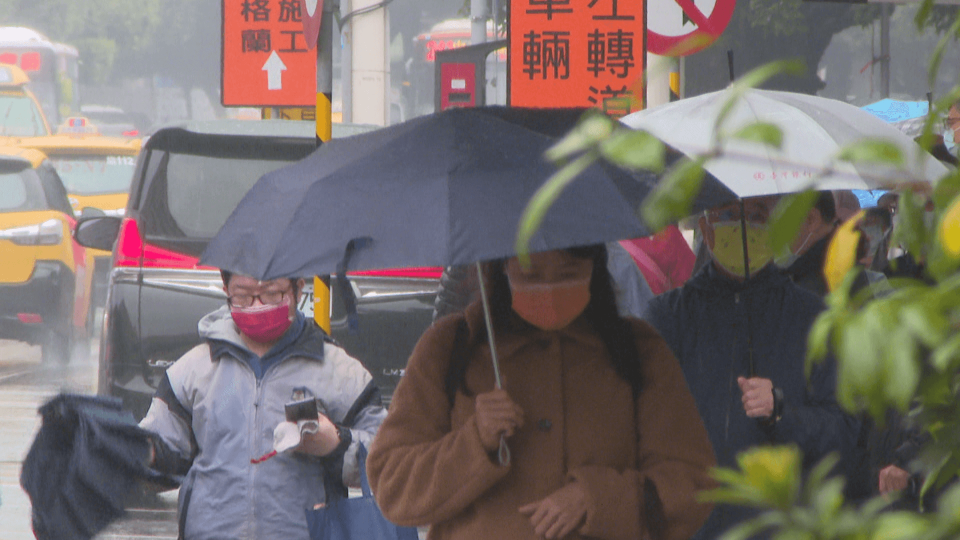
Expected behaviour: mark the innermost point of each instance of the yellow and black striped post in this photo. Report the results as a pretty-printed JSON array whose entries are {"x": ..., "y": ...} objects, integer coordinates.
[
  {"x": 674, "y": 85},
  {"x": 321, "y": 284}
]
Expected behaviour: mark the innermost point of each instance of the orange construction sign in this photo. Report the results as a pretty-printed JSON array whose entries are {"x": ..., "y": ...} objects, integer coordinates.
[
  {"x": 265, "y": 59},
  {"x": 583, "y": 53}
]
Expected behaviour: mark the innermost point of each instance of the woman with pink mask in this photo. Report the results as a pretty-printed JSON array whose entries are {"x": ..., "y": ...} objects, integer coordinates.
[{"x": 604, "y": 436}]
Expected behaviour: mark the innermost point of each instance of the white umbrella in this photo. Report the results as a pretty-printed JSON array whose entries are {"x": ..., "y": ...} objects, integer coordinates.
[{"x": 814, "y": 130}]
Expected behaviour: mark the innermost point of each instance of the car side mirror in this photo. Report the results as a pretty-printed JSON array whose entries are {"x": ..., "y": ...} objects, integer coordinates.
[
  {"x": 90, "y": 211},
  {"x": 97, "y": 232}
]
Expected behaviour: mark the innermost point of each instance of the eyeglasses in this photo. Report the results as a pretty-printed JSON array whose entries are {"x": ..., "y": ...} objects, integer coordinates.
[{"x": 267, "y": 298}]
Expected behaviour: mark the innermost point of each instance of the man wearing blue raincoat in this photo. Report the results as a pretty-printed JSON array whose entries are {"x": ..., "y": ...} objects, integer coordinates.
[{"x": 742, "y": 343}]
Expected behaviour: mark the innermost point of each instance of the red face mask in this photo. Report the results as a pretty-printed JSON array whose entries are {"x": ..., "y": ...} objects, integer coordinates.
[
  {"x": 263, "y": 323},
  {"x": 550, "y": 306}
]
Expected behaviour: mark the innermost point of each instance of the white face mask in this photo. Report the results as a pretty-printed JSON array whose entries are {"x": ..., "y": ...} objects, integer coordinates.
[
  {"x": 948, "y": 140},
  {"x": 787, "y": 259}
]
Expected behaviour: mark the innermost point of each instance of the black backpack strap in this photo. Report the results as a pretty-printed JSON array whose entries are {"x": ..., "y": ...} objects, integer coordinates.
[{"x": 459, "y": 358}]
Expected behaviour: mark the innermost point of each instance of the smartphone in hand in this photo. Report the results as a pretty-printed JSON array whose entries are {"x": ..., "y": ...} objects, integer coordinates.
[{"x": 305, "y": 409}]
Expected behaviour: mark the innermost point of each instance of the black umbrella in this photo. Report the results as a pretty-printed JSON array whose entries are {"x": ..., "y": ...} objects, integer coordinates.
[
  {"x": 438, "y": 190},
  {"x": 83, "y": 466}
]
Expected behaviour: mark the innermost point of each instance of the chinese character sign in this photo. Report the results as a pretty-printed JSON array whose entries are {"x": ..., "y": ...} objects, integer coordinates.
[
  {"x": 577, "y": 53},
  {"x": 266, "y": 62}
]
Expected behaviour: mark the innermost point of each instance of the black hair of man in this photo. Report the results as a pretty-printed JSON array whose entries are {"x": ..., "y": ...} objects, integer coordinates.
[
  {"x": 827, "y": 206},
  {"x": 225, "y": 275}
]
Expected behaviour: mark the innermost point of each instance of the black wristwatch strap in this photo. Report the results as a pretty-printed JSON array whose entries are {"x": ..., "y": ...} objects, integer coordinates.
[
  {"x": 777, "y": 405},
  {"x": 778, "y": 400}
]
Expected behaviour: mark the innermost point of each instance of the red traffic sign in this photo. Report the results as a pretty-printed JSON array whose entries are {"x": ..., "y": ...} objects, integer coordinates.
[
  {"x": 265, "y": 61},
  {"x": 312, "y": 11},
  {"x": 683, "y": 27}
]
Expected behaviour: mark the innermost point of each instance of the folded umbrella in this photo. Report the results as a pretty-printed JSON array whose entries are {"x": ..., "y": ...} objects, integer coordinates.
[{"x": 83, "y": 465}]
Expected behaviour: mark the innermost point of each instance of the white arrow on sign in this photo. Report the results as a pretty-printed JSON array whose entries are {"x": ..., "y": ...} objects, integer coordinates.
[{"x": 274, "y": 66}]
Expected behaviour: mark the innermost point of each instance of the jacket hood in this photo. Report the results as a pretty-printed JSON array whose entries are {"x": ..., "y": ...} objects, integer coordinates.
[
  {"x": 711, "y": 279},
  {"x": 219, "y": 326}
]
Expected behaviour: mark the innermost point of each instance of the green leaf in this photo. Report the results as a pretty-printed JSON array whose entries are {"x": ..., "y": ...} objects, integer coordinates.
[
  {"x": 543, "y": 199},
  {"x": 673, "y": 197},
  {"x": 754, "y": 78},
  {"x": 750, "y": 529},
  {"x": 902, "y": 368},
  {"x": 787, "y": 217},
  {"x": 910, "y": 232},
  {"x": 634, "y": 149},
  {"x": 762, "y": 74},
  {"x": 923, "y": 14},
  {"x": 761, "y": 132},
  {"x": 592, "y": 129},
  {"x": 900, "y": 526},
  {"x": 829, "y": 498},
  {"x": 872, "y": 150},
  {"x": 922, "y": 318},
  {"x": 818, "y": 339},
  {"x": 936, "y": 58},
  {"x": 946, "y": 190},
  {"x": 946, "y": 356}
]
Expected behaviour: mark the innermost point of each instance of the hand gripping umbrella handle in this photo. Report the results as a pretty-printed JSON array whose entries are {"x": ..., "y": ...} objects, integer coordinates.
[{"x": 503, "y": 454}]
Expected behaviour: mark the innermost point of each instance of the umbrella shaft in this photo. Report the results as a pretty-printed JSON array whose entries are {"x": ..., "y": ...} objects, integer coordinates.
[{"x": 489, "y": 322}]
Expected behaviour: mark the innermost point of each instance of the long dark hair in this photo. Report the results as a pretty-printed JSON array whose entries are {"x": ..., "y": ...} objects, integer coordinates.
[{"x": 601, "y": 312}]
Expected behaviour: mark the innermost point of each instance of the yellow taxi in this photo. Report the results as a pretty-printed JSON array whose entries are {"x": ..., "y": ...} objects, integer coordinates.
[
  {"x": 45, "y": 278},
  {"x": 21, "y": 115},
  {"x": 96, "y": 171}
]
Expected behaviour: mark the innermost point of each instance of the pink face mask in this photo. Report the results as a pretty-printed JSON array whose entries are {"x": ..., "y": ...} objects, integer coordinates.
[
  {"x": 263, "y": 323},
  {"x": 551, "y": 306}
]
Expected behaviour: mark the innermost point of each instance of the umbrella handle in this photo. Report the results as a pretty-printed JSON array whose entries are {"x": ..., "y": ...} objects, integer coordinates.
[{"x": 503, "y": 454}]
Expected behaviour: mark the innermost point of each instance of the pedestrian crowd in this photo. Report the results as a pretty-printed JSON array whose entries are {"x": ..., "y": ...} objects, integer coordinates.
[
  {"x": 620, "y": 375},
  {"x": 624, "y": 373}
]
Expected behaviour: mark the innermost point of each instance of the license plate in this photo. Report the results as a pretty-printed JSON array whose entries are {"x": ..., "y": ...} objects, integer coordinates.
[{"x": 306, "y": 300}]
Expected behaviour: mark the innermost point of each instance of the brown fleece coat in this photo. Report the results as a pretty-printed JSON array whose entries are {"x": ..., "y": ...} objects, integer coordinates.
[{"x": 641, "y": 463}]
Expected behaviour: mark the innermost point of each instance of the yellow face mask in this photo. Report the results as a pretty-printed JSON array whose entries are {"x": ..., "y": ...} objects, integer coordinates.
[{"x": 728, "y": 247}]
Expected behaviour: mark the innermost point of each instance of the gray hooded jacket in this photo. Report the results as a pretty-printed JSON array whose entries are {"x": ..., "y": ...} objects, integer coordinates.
[{"x": 216, "y": 410}]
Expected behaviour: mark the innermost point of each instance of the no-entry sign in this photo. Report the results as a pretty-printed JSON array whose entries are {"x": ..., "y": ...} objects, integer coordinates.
[
  {"x": 584, "y": 53},
  {"x": 265, "y": 59},
  {"x": 682, "y": 27}
]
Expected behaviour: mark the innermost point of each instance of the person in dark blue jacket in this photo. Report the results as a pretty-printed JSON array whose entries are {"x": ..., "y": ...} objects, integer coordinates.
[{"x": 742, "y": 343}]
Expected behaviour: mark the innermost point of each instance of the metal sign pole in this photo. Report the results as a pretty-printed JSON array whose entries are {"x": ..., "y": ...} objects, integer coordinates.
[{"x": 321, "y": 284}]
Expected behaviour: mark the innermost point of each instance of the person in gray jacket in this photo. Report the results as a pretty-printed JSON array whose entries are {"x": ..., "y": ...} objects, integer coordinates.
[{"x": 215, "y": 412}]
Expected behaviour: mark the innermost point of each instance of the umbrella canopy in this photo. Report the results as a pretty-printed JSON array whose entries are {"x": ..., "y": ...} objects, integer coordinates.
[
  {"x": 895, "y": 110},
  {"x": 442, "y": 189},
  {"x": 907, "y": 116},
  {"x": 814, "y": 130}
]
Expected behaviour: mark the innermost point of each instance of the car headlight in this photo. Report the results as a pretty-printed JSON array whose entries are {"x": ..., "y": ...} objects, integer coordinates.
[
  {"x": 119, "y": 212},
  {"x": 48, "y": 233}
]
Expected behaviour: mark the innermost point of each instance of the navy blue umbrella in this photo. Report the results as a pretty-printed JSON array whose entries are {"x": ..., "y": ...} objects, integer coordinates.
[
  {"x": 84, "y": 465},
  {"x": 438, "y": 190}
]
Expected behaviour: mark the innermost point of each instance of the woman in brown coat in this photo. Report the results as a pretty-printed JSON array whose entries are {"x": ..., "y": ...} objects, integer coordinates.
[{"x": 605, "y": 439}]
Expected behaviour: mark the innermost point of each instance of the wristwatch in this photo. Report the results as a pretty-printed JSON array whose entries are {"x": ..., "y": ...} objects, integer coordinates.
[{"x": 777, "y": 414}]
